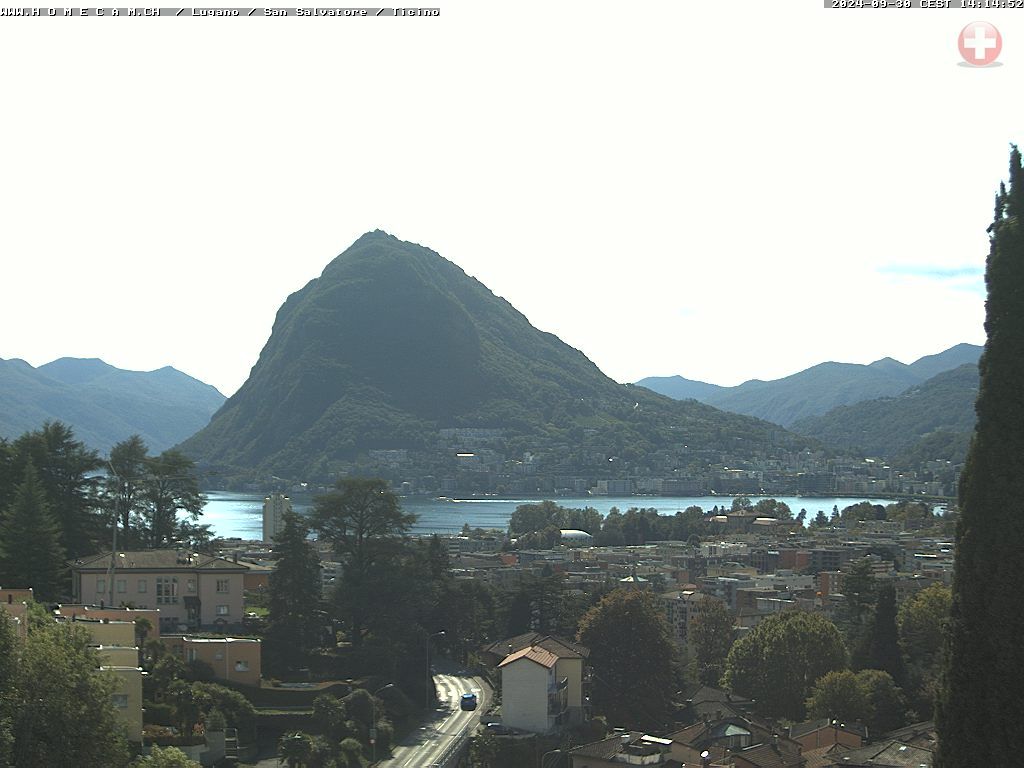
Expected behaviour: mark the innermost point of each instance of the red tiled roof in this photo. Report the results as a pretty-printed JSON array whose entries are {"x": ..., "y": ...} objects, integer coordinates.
[{"x": 532, "y": 653}]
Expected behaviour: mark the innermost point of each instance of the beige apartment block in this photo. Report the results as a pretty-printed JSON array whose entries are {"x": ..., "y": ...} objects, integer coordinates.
[
  {"x": 192, "y": 591},
  {"x": 75, "y": 611},
  {"x": 127, "y": 699},
  {"x": 234, "y": 659}
]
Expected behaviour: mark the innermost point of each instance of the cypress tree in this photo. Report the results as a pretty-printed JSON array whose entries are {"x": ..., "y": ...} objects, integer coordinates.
[
  {"x": 980, "y": 710},
  {"x": 885, "y": 640},
  {"x": 294, "y": 598},
  {"x": 30, "y": 550}
]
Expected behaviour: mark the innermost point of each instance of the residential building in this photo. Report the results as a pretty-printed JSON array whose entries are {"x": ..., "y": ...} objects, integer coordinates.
[
  {"x": 824, "y": 732},
  {"x": 127, "y": 697},
  {"x": 890, "y": 752},
  {"x": 682, "y": 607},
  {"x": 192, "y": 591},
  {"x": 541, "y": 681},
  {"x": 14, "y": 602},
  {"x": 114, "y": 642},
  {"x": 75, "y": 611},
  {"x": 274, "y": 507},
  {"x": 627, "y": 748},
  {"x": 234, "y": 659}
]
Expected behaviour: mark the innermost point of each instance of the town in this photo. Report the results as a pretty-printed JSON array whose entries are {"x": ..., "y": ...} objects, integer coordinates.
[{"x": 568, "y": 651}]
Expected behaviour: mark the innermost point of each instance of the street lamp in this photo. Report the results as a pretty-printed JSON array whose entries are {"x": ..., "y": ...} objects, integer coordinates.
[
  {"x": 430, "y": 677},
  {"x": 373, "y": 721}
]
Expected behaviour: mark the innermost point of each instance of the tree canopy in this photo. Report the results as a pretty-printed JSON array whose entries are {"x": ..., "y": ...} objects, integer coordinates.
[
  {"x": 631, "y": 654},
  {"x": 712, "y": 637},
  {"x": 870, "y": 697},
  {"x": 62, "y": 712},
  {"x": 779, "y": 660},
  {"x": 365, "y": 524}
]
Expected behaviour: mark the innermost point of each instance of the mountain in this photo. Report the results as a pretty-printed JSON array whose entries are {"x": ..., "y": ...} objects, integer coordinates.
[
  {"x": 819, "y": 389},
  {"x": 679, "y": 388},
  {"x": 951, "y": 358},
  {"x": 104, "y": 404},
  {"x": 393, "y": 344},
  {"x": 941, "y": 408}
]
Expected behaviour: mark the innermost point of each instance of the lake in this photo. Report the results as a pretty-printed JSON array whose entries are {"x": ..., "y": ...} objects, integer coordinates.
[{"x": 238, "y": 514}]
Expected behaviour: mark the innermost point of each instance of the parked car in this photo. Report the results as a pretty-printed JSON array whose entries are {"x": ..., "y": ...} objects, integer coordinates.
[
  {"x": 468, "y": 701},
  {"x": 497, "y": 729}
]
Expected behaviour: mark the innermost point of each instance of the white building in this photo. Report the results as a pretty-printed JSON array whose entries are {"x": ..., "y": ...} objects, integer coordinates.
[
  {"x": 274, "y": 507},
  {"x": 541, "y": 687}
]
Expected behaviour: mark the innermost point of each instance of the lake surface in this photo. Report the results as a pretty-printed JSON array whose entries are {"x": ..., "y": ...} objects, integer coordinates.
[{"x": 239, "y": 514}]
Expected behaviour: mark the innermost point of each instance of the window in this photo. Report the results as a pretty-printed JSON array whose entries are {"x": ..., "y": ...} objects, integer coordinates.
[
  {"x": 223, "y": 586},
  {"x": 191, "y": 586},
  {"x": 192, "y": 654},
  {"x": 120, "y": 700},
  {"x": 166, "y": 590},
  {"x": 122, "y": 586},
  {"x": 142, "y": 586},
  {"x": 241, "y": 666},
  {"x": 222, "y": 610},
  {"x": 101, "y": 586}
]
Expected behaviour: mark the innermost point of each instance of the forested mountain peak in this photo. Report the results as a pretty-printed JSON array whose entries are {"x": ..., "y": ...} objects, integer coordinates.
[{"x": 393, "y": 343}]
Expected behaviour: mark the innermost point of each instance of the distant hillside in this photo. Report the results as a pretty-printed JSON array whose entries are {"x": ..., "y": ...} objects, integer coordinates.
[
  {"x": 393, "y": 343},
  {"x": 954, "y": 357},
  {"x": 679, "y": 388},
  {"x": 104, "y": 404},
  {"x": 941, "y": 407},
  {"x": 819, "y": 389}
]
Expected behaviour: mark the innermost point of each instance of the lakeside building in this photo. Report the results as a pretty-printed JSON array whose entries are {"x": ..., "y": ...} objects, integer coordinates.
[{"x": 274, "y": 507}]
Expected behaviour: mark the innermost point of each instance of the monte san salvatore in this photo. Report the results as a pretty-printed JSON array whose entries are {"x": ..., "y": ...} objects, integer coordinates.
[{"x": 395, "y": 351}]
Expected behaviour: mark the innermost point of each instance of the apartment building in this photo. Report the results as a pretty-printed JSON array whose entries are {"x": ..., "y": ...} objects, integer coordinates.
[{"x": 191, "y": 591}]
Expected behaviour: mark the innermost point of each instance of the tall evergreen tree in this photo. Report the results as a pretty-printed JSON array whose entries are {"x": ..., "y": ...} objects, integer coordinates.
[
  {"x": 30, "y": 550},
  {"x": 980, "y": 709},
  {"x": 294, "y": 594},
  {"x": 124, "y": 487},
  {"x": 169, "y": 488},
  {"x": 365, "y": 524},
  {"x": 885, "y": 640},
  {"x": 65, "y": 468}
]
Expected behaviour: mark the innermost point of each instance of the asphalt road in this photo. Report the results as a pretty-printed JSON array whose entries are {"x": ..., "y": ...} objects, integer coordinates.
[{"x": 424, "y": 747}]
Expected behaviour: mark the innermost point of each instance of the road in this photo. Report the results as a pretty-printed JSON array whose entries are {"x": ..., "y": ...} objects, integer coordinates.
[{"x": 424, "y": 747}]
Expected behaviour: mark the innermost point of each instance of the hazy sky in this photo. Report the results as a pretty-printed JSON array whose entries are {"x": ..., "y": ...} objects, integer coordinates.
[{"x": 724, "y": 191}]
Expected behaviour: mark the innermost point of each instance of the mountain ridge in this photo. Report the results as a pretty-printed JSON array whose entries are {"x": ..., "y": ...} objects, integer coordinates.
[
  {"x": 104, "y": 404},
  {"x": 820, "y": 388},
  {"x": 394, "y": 343},
  {"x": 891, "y": 426}
]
